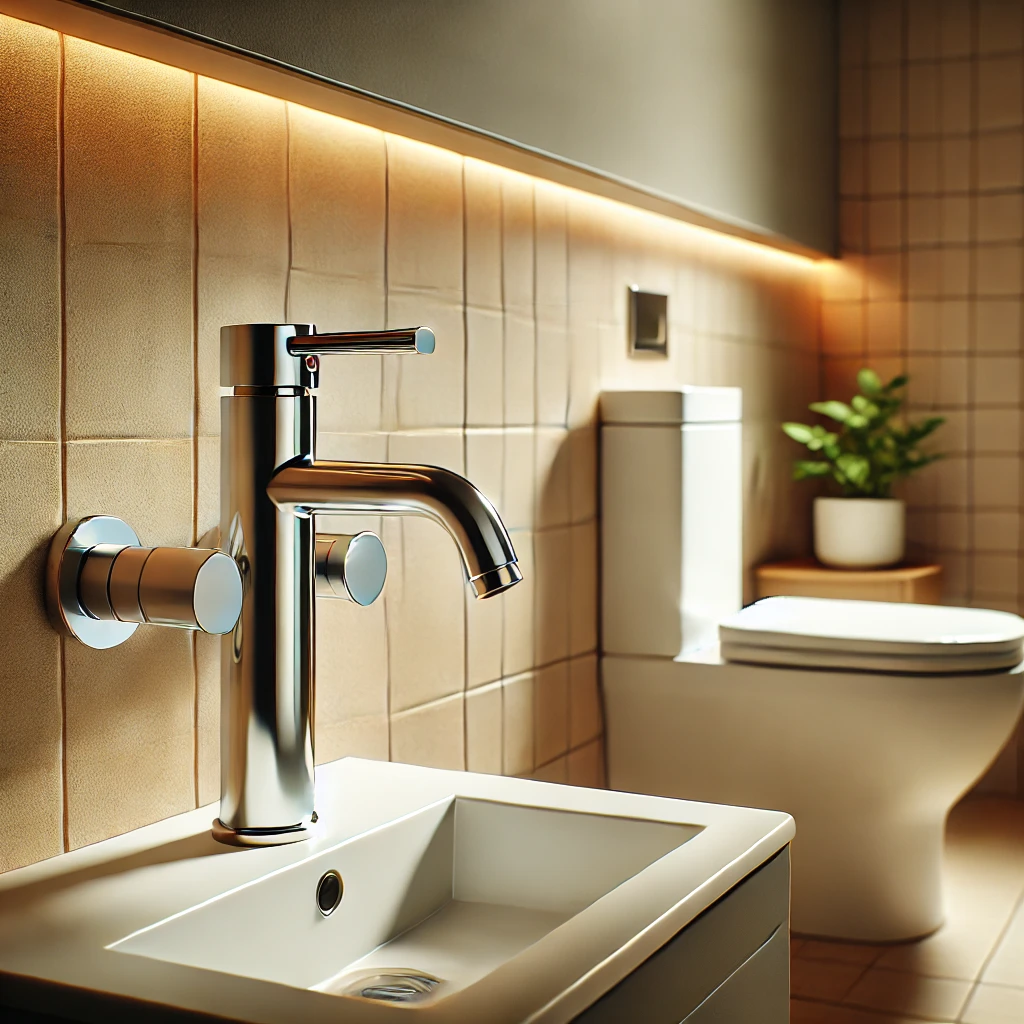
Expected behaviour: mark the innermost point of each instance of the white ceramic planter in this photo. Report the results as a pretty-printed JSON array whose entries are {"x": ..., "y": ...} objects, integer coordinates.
[{"x": 859, "y": 533}]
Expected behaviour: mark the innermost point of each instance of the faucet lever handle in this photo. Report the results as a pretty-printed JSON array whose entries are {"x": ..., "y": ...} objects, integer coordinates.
[{"x": 418, "y": 340}]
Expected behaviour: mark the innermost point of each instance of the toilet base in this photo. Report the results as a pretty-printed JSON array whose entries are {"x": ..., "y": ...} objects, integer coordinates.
[{"x": 868, "y": 765}]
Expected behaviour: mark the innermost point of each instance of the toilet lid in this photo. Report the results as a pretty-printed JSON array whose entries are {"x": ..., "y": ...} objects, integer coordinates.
[{"x": 872, "y": 636}]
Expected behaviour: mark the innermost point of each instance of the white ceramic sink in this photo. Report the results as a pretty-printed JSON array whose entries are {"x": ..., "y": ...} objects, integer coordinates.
[
  {"x": 431, "y": 903},
  {"x": 467, "y": 898}
]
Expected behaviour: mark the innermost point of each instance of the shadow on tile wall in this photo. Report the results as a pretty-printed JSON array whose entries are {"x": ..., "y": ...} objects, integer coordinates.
[{"x": 141, "y": 209}]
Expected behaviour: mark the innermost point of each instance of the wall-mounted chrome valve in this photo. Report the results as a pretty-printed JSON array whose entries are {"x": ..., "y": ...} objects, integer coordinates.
[
  {"x": 352, "y": 568},
  {"x": 101, "y": 584}
]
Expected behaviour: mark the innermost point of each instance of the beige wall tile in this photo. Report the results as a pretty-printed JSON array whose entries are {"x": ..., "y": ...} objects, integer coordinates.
[
  {"x": 29, "y": 244},
  {"x": 999, "y": 92},
  {"x": 518, "y": 610},
  {"x": 1000, "y": 161},
  {"x": 997, "y": 380},
  {"x": 146, "y": 483},
  {"x": 431, "y": 735},
  {"x": 553, "y": 469},
  {"x": 551, "y": 712},
  {"x": 483, "y": 235},
  {"x": 429, "y": 389},
  {"x": 484, "y": 729},
  {"x": 586, "y": 766},
  {"x": 1000, "y": 218},
  {"x": 853, "y": 102},
  {"x": 520, "y": 360},
  {"x": 130, "y": 734},
  {"x": 485, "y": 367},
  {"x": 997, "y": 325},
  {"x": 518, "y": 724},
  {"x": 351, "y": 672},
  {"x": 999, "y": 26},
  {"x": 242, "y": 206},
  {"x": 554, "y": 771},
  {"x": 585, "y": 715},
  {"x": 583, "y": 588},
  {"x": 996, "y": 430},
  {"x": 517, "y": 244},
  {"x": 996, "y": 481},
  {"x": 552, "y": 372},
  {"x": 552, "y": 568},
  {"x": 207, "y": 711},
  {"x": 583, "y": 474},
  {"x": 338, "y": 219},
  {"x": 354, "y": 737},
  {"x": 424, "y": 596},
  {"x": 128, "y": 202},
  {"x": 338, "y": 243},
  {"x": 999, "y": 270},
  {"x": 424, "y": 248},
  {"x": 30, "y": 673},
  {"x": 484, "y": 619},
  {"x": 519, "y": 497},
  {"x": 885, "y": 87},
  {"x": 207, "y": 485},
  {"x": 551, "y": 254}
]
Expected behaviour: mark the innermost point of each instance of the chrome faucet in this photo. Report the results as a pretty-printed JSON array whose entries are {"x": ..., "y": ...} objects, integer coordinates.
[{"x": 272, "y": 487}]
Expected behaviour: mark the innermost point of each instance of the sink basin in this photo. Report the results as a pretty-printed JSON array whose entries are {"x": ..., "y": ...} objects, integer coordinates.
[
  {"x": 431, "y": 903},
  {"x": 463, "y": 898}
]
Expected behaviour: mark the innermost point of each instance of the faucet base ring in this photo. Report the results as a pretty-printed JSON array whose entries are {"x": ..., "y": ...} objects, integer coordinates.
[{"x": 263, "y": 836}]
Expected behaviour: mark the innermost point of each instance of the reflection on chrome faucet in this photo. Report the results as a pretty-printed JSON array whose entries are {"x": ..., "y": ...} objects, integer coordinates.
[{"x": 272, "y": 487}]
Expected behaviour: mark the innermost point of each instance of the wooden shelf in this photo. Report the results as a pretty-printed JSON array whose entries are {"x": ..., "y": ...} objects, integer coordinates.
[{"x": 804, "y": 577}]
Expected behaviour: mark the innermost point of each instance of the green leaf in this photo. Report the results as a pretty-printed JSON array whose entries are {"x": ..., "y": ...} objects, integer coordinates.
[
  {"x": 856, "y": 468},
  {"x": 798, "y": 431},
  {"x": 869, "y": 382},
  {"x": 805, "y": 468},
  {"x": 865, "y": 406},
  {"x": 896, "y": 383},
  {"x": 838, "y": 411}
]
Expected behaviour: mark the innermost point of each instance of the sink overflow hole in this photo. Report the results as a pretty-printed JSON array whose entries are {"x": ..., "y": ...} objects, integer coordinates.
[{"x": 329, "y": 891}]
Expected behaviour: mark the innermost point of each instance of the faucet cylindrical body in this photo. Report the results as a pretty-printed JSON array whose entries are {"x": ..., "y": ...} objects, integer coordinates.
[
  {"x": 272, "y": 486},
  {"x": 267, "y": 663}
]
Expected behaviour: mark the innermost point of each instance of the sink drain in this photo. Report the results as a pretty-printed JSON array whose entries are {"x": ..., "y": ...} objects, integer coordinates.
[{"x": 399, "y": 986}]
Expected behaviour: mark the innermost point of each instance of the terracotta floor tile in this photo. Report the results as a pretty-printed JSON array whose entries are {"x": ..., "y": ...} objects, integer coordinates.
[
  {"x": 899, "y": 992},
  {"x": 822, "y": 979},
  {"x": 807, "y": 1012}
]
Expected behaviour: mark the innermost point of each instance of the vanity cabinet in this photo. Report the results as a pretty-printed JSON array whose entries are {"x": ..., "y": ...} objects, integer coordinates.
[{"x": 728, "y": 966}]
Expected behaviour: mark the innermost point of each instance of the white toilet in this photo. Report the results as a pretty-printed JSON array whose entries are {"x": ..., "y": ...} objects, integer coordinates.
[{"x": 866, "y": 721}]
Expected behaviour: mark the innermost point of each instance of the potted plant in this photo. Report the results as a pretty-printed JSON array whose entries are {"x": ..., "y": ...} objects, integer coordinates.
[{"x": 869, "y": 450}]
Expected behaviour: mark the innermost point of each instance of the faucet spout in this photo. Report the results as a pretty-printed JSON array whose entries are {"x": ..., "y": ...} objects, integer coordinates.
[{"x": 306, "y": 486}]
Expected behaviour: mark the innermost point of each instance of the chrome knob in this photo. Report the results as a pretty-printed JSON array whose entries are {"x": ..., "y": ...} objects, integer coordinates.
[
  {"x": 102, "y": 584},
  {"x": 352, "y": 568}
]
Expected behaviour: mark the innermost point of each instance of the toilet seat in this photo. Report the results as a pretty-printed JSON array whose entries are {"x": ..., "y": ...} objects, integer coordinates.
[{"x": 872, "y": 636}]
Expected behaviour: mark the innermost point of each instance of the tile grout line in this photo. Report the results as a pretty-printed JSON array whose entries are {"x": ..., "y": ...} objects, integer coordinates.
[
  {"x": 62, "y": 262},
  {"x": 193, "y": 639},
  {"x": 387, "y": 438},
  {"x": 288, "y": 203},
  {"x": 972, "y": 291},
  {"x": 465, "y": 464}
]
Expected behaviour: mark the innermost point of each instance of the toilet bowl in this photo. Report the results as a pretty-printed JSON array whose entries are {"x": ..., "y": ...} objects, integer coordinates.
[
  {"x": 865, "y": 721},
  {"x": 867, "y": 760}
]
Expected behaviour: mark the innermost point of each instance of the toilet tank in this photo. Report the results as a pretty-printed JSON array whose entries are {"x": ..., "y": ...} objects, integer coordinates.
[{"x": 671, "y": 518}]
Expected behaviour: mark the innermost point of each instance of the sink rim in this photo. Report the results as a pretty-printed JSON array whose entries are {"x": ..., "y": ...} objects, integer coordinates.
[{"x": 49, "y": 937}]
